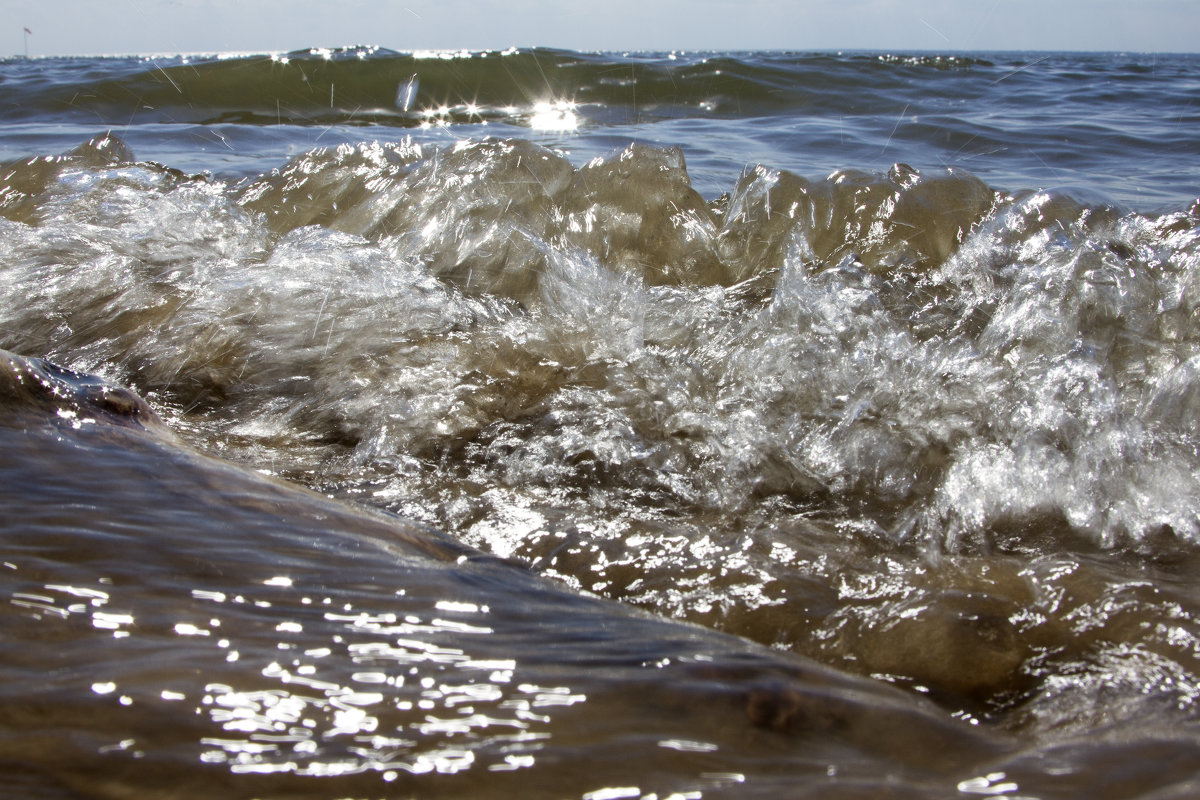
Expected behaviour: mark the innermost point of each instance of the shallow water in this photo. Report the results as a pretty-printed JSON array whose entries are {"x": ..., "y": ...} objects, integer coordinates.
[{"x": 715, "y": 480}]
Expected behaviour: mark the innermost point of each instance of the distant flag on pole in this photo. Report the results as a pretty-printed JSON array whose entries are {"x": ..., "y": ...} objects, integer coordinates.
[{"x": 29, "y": 31}]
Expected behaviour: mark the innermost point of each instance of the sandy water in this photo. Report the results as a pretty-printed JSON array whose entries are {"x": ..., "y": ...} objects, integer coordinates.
[{"x": 621, "y": 432}]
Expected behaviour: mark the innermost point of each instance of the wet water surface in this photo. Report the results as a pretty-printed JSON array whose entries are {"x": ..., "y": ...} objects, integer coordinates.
[{"x": 491, "y": 460}]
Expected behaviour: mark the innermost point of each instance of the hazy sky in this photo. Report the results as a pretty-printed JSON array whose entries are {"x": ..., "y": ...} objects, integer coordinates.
[{"x": 63, "y": 27}]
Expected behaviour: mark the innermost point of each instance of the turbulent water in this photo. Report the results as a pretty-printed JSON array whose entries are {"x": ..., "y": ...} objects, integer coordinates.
[{"x": 568, "y": 425}]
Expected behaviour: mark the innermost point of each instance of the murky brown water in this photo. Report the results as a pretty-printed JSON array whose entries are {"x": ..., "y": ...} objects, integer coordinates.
[{"x": 877, "y": 485}]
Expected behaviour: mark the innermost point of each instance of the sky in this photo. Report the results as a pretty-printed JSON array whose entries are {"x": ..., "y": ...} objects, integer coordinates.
[{"x": 93, "y": 27}]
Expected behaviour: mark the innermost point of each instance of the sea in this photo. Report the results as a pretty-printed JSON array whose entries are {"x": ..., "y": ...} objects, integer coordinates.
[{"x": 550, "y": 424}]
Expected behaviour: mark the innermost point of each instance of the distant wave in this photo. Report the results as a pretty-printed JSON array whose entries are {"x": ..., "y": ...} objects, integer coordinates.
[{"x": 362, "y": 85}]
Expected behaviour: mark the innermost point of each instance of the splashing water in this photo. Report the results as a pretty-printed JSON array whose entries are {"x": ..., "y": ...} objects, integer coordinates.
[{"x": 902, "y": 423}]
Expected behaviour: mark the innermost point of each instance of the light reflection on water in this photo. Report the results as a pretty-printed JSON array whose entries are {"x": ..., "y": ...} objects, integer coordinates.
[
  {"x": 411, "y": 704},
  {"x": 49, "y": 603}
]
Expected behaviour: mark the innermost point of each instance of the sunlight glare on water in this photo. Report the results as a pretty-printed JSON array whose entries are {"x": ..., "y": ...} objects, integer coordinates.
[{"x": 556, "y": 115}]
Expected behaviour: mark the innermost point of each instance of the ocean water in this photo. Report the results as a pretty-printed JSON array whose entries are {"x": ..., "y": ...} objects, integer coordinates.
[{"x": 551, "y": 424}]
